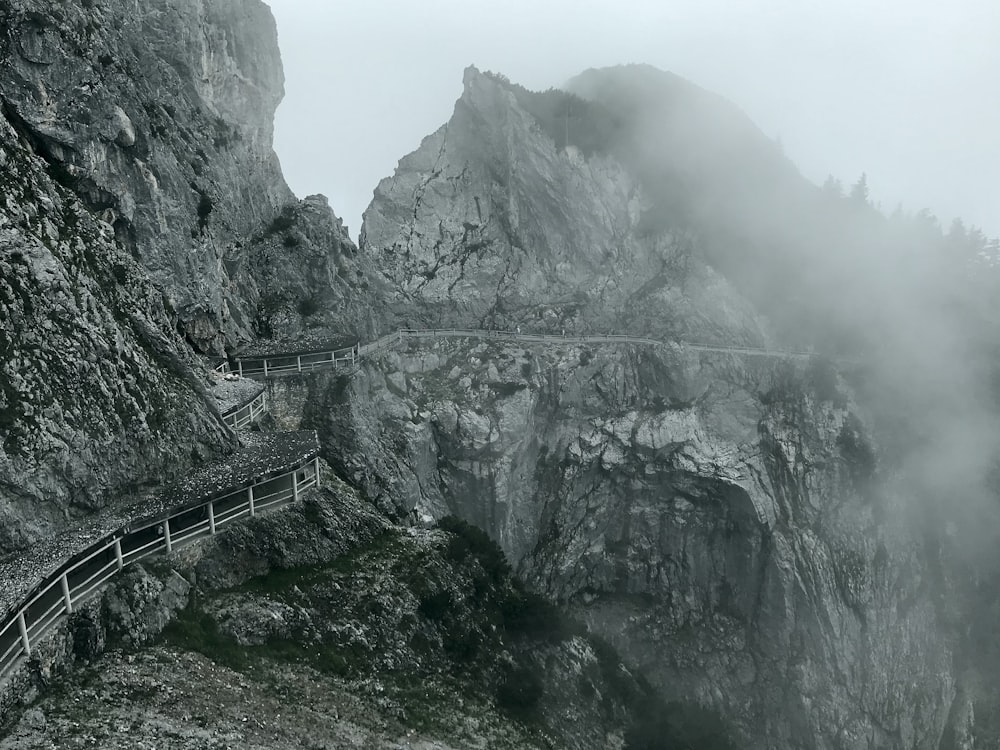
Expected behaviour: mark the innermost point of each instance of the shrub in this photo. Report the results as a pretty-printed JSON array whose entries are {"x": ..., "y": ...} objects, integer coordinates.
[
  {"x": 195, "y": 630},
  {"x": 526, "y": 613},
  {"x": 205, "y": 207},
  {"x": 435, "y": 606},
  {"x": 856, "y": 451},
  {"x": 308, "y": 306},
  {"x": 679, "y": 726},
  {"x": 463, "y": 644},
  {"x": 282, "y": 222},
  {"x": 474, "y": 541},
  {"x": 519, "y": 692}
]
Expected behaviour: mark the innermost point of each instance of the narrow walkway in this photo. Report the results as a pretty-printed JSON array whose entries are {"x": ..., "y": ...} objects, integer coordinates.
[
  {"x": 58, "y": 575},
  {"x": 279, "y": 364}
]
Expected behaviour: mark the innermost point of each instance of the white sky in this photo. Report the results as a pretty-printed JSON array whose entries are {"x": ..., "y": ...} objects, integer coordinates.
[{"x": 905, "y": 90}]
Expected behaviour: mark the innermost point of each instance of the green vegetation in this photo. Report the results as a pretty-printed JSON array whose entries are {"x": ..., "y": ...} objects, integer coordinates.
[
  {"x": 857, "y": 452},
  {"x": 195, "y": 630},
  {"x": 205, "y": 207},
  {"x": 678, "y": 726},
  {"x": 519, "y": 692},
  {"x": 471, "y": 541},
  {"x": 471, "y": 629},
  {"x": 282, "y": 222}
]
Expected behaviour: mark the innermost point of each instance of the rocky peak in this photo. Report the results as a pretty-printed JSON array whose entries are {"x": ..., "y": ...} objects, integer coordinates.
[{"x": 497, "y": 221}]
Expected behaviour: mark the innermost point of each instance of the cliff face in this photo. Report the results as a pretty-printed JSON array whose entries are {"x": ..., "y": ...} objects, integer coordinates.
[
  {"x": 142, "y": 211},
  {"x": 159, "y": 116},
  {"x": 720, "y": 519},
  {"x": 726, "y": 522},
  {"x": 97, "y": 392},
  {"x": 713, "y": 517},
  {"x": 369, "y": 635}
]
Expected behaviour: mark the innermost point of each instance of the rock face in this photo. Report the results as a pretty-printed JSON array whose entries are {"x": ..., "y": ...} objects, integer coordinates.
[
  {"x": 712, "y": 517},
  {"x": 727, "y": 523},
  {"x": 367, "y": 635},
  {"x": 141, "y": 206},
  {"x": 159, "y": 116},
  {"x": 492, "y": 223},
  {"x": 97, "y": 392}
]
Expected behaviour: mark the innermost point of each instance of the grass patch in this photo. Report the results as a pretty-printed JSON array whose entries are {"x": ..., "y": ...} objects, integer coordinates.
[
  {"x": 519, "y": 692},
  {"x": 281, "y": 580},
  {"x": 195, "y": 630}
]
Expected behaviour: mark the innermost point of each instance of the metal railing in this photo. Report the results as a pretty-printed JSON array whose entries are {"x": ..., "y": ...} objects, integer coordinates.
[
  {"x": 247, "y": 414},
  {"x": 280, "y": 364},
  {"x": 75, "y": 582}
]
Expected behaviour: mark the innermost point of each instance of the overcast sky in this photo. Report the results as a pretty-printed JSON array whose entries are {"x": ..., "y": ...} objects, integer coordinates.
[{"x": 905, "y": 90}]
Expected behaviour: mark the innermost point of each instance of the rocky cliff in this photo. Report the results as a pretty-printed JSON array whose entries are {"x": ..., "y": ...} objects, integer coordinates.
[
  {"x": 732, "y": 525},
  {"x": 714, "y": 518},
  {"x": 143, "y": 213},
  {"x": 159, "y": 116},
  {"x": 754, "y": 534},
  {"x": 353, "y": 633},
  {"x": 98, "y": 394},
  {"x": 492, "y": 223}
]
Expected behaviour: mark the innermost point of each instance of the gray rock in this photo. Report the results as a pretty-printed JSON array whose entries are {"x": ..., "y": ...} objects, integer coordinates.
[
  {"x": 160, "y": 117},
  {"x": 139, "y": 605},
  {"x": 700, "y": 512},
  {"x": 491, "y": 224}
]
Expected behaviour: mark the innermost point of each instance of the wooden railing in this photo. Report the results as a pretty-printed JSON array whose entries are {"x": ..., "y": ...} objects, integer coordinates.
[
  {"x": 280, "y": 364},
  {"x": 82, "y": 577}
]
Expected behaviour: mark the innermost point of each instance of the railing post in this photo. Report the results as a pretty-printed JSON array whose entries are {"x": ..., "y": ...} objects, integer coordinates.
[
  {"x": 295, "y": 486},
  {"x": 333, "y": 358},
  {"x": 316, "y": 464},
  {"x": 239, "y": 363},
  {"x": 118, "y": 554},
  {"x": 166, "y": 535},
  {"x": 253, "y": 510},
  {"x": 66, "y": 595},
  {"x": 298, "y": 362},
  {"x": 265, "y": 368},
  {"x": 23, "y": 629},
  {"x": 211, "y": 517}
]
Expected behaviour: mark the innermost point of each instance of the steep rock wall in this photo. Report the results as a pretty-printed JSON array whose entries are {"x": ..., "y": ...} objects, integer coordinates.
[
  {"x": 97, "y": 392},
  {"x": 713, "y": 517},
  {"x": 159, "y": 116}
]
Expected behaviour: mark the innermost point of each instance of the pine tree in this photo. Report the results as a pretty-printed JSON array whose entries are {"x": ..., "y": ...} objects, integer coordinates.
[{"x": 859, "y": 191}]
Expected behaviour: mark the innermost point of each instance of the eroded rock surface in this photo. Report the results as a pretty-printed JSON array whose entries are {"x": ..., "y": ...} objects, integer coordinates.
[
  {"x": 493, "y": 224},
  {"x": 97, "y": 392},
  {"x": 160, "y": 117},
  {"x": 713, "y": 516},
  {"x": 368, "y": 636}
]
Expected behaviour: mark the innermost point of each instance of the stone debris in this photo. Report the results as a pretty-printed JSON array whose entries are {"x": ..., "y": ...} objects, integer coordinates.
[{"x": 232, "y": 392}]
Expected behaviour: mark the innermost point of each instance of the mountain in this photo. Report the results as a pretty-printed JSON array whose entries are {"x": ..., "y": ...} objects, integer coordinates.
[
  {"x": 761, "y": 535},
  {"x": 769, "y": 522}
]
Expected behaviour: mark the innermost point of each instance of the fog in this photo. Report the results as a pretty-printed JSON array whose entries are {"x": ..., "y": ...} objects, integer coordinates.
[{"x": 901, "y": 90}]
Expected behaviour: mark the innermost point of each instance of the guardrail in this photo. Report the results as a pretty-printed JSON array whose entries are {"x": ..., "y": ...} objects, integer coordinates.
[
  {"x": 247, "y": 414},
  {"x": 280, "y": 364},
  {"x": 81, "y": 577}
]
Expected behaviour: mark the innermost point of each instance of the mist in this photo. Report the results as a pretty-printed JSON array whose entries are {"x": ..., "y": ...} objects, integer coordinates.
[
  {"x": 835, "y": 164},
  {"x": 901, "y": 91}
]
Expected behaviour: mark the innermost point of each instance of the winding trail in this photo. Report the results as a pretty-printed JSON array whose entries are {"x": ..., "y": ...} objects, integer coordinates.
[
  {"x": 71, "y": 568},
  {"x": 278, "y": 364}
]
